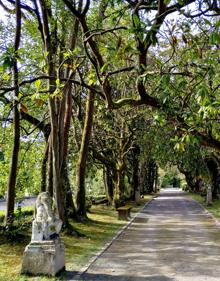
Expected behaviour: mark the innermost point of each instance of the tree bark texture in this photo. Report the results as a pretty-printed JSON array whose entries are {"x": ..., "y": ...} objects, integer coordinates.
[
  {"x": 81, "y": 164},
  {"x": 11, "y": 191},
  {"x": 44, "y": 169},
  {"x": 213, "y": 168},
  {"x": 135, "y": 174},
  {"x": 109, "y": 187},
  {"x": 50, "y": 170},
  {"x": 56, "y": 108},
  {"x": 118, "y": 180},
  {"x": 70, "y": 209}
]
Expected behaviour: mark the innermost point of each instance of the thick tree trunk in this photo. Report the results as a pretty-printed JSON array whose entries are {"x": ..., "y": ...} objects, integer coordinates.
[
  {"x": 9, "y": 217},
  {"x": 135, "y": 182},
  {"x": 135, "y": 174},
  {"x": 70, "y": 210},
  {"x": 44, "y": 169},
  {"x": 50, "y": 170},
  {"x": 70, "y": 207},
  {"x": 109, "y": 186},
  {"x": 118, "y": 180},
  {"x": 155, "y": 178},
  {"x": 151, "y": 175},
  {"x": 190, "y": 179},
  {"x": 144, "y": 177},
  {"x": 117, "y": 192},
  {"x": 81, "y": 164},
  {"x": 213, "y": 168},
  {"x": 56, "y": 144},
  {"x": 56, "y": 106},
  {"x": 141, "y": 178}
]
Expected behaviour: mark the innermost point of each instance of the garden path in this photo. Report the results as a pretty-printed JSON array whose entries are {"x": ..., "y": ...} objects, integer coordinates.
[{"x": 172, "y": 239}]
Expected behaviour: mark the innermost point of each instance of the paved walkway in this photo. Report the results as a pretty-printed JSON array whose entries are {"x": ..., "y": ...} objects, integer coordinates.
[
  {"x": 26, "y": 201},
  {"x": 171, "y": 239}
]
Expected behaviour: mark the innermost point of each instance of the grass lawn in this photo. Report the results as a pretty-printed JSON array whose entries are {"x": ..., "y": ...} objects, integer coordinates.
[
  {"x": 98, "y": 230},
  {"x": 214, "y": 208}
]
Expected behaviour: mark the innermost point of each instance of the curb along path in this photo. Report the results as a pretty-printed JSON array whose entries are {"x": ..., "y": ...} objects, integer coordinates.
[{"x": 172, "y": 238}]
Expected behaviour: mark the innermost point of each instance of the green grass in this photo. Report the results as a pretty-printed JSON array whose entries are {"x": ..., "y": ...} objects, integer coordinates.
[
  {"x": 27, "y": 210},
  {"x": 98, "y": 230},
  {"x": 214, "y": 208}
]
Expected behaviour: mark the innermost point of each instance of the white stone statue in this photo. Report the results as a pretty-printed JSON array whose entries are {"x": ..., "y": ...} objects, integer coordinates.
[{"x": 46, "y": 226}]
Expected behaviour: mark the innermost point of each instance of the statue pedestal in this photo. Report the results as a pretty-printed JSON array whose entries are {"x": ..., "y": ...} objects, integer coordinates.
[
  {"x": 43, "y": 257},
  {"x": 209, "y": 196}
]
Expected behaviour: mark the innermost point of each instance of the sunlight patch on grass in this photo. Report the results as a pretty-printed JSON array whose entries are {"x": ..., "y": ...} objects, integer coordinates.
[
  {"x": 10, "y": 261},
  {"x": 101, "y": 227}
]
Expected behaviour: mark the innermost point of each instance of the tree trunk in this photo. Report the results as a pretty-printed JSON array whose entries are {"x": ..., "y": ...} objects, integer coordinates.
[
  {"x": 118, "y": 180},
  {"x": 44, "y": 169},
  {"x": 117, "y": 193},
  {"x": 151, "y": 175},
  {"x": 50, "y": 170},
  {"x": 56, "y": 106},
  {"x": 70, "y": 210},
  {"x": 109, "y": 187},
  {"x": 70, "y": 207},
  {"x": 9, "y": 217},
  {"x": 213, "y": 168},
  {"x": 189, "y": 178},
  {"x": 155, "y": 178},
  {"x": 141, "y": 178},
  {"x": 81, "y": 164},
  {"x": 56, "y": 144},
  {"x": 135, "y": 174}
]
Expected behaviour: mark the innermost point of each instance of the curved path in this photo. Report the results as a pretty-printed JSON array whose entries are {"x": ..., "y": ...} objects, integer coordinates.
[{"x": 173, "y": 238}]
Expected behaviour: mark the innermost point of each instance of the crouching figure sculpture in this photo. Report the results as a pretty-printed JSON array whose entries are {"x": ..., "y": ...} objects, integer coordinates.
[
  {"x": 46, "y": 226},
  {"x": 45, "y": 254}
]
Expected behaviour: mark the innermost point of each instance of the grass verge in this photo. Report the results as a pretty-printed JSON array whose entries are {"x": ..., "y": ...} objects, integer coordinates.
[
  {"x": 214, "y": 208},
  {"x": 96, "y": 232}
]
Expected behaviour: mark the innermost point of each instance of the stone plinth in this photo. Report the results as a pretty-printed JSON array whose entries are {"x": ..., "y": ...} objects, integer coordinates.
[
  {"x": 43, "y": 257},
  {"x": 209, "y": 196}
]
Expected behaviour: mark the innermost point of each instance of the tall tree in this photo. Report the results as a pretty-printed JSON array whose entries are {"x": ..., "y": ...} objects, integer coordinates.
[
  {"x": 16, "y": 122},
  {"x": 81, "y": 164}
]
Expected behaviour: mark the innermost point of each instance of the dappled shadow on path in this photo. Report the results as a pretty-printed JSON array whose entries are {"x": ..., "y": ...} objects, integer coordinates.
[{"x": 170, "y": 239}]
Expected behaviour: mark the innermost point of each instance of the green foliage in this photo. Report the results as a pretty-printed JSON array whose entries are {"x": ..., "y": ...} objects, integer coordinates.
[
  {"x": 215, "y": 38},
  {"x": 170, "y": 178},
  {"x": 94, "y": 182},
  {"x": 8, "y": 58},
  {"x": 180, "y": 77},
  {"x": 29, "y": 167}
]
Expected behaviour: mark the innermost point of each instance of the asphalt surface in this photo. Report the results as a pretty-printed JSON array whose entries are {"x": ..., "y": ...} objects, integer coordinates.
[
  {"x": 23, "y": 202},
  {"x": 172, "y": 239}
]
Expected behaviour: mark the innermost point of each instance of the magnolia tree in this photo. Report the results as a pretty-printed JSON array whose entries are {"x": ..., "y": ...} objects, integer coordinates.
[{"x": 64, "y": 62}]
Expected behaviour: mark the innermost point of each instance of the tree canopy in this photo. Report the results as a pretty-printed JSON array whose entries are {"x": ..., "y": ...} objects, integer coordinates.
[{"x": 113, "y": 85}]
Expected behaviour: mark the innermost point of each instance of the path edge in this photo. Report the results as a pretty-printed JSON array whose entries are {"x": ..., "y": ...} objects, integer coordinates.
[
  {"x": 108, "y": 244},
  {"x": 208, "y": 214}
]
